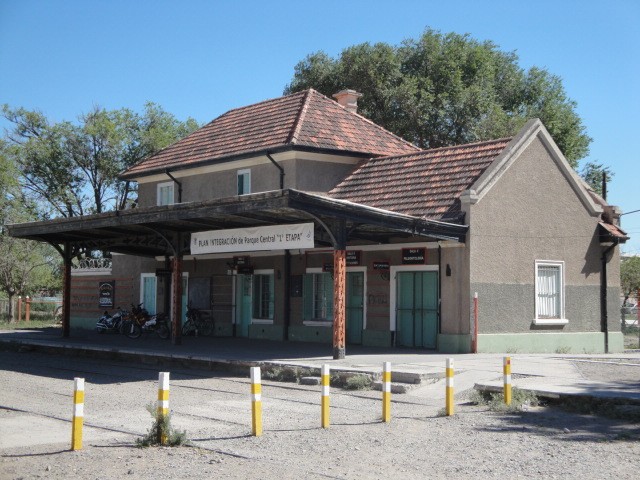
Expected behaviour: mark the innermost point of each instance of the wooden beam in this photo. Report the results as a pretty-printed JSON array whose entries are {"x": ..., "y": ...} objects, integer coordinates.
[
  {"x": 66, "y": 290},
  {"x": 339, "y": 303},
  {"x": 176, "y": 291}
]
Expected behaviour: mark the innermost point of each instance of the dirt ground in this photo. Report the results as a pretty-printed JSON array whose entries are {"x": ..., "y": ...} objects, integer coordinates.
[{"x": 214, "y": 409}]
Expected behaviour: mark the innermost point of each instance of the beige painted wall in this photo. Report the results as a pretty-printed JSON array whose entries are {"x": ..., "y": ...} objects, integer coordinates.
[
  {"x": 532, "y": 213},
  {"x": 306, "y": 171}
]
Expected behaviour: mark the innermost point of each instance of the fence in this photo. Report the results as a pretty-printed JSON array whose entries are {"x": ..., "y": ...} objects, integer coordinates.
[{"x": 27, "y": 309}]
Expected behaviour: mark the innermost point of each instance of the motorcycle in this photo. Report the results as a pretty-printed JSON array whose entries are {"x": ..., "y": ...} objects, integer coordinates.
[
  {"x": 139, "y": 321},
  {"x": 111, "y": 323}
]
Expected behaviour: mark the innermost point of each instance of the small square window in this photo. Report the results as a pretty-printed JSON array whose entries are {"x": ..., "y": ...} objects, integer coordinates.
[
  {"x": 166, "y": 193},
  {"x": 244, "y": 182}
]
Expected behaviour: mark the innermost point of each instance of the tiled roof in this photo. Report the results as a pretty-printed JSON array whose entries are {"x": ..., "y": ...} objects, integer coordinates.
[
  {"x": 305, "y": 119},
  {"x": 614, "y": 231},
  {"x": 424, "y": 184}
]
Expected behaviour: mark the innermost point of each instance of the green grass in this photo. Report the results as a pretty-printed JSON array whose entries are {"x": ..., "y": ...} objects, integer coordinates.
[{"x": 32, "y": 324}]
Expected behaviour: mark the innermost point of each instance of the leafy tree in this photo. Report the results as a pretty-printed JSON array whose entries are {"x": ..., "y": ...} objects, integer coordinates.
[
  {"x": 25, "y": 267},
  {"x": 446, "y": 89},
  {"x": 71, "y": 169},
  {"x": 593, "y": 173},
  {"x": 630, "y": 277}
]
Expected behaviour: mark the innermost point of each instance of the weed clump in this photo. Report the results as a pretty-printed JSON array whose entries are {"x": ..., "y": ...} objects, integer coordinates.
[
  {"x": 520, "y": 400},
  {"x": 161, "y": 433}
]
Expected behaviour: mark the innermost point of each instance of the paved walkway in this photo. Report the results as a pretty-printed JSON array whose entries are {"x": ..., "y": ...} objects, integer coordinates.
[{"x": 546, "y": 374}]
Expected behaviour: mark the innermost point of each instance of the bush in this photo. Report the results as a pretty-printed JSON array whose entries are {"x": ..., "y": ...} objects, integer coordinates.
[{"x": 161, "y": 432}]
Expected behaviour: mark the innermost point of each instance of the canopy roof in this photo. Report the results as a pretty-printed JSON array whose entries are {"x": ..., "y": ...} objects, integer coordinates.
[{"x": 164, "y": 230}]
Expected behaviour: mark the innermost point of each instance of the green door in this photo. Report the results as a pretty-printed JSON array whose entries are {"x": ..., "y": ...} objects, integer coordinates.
[
  {"x": 149, "y": 292},
  {"x": 417, "y": 309},
  {"x": 243, "y": 305},
  {"x": 355, "y": 302}
]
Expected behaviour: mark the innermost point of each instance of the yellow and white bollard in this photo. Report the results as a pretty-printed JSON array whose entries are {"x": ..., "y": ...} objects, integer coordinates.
[
  {"x": 78, "y": 413},
  {"x": 325, "y": 381},
  {"x": 449, "y": 396},
  {"x": 256, "y": 402},
  {"x": 163, "y": 393},
  {"x": 386, "y": 392},
  {"x": 506, "y": 369}
]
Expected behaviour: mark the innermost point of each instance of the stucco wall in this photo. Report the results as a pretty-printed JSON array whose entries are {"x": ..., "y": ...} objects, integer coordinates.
[
  {"x": 532, "y": 213},
  {"x": 300, "y": 173}
]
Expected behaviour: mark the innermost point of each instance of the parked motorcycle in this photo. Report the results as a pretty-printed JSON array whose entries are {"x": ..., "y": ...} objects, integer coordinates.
[
  {"x": 111, "y": 323},
  {"x": 139, "y": 321}
]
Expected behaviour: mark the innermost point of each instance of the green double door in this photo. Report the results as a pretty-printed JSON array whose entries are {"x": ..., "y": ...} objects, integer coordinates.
[{"x": 417, "y": 309}]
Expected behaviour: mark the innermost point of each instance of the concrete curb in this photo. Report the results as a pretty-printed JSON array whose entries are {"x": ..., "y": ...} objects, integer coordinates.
[{"x": 557, "y": 395}]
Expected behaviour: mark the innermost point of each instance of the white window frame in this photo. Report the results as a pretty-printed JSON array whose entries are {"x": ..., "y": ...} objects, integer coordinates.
[
  {"x": 159, "y": 188},
  {"x": 263, "y": 321},
  {"x": 242, "y": 173},
  {"x": 550, "y": 321},
  {"x": 317, "y": 323}
]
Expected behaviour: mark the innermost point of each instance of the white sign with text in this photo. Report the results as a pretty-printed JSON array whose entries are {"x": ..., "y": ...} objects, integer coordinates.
[{"x": 275, "y": 237}]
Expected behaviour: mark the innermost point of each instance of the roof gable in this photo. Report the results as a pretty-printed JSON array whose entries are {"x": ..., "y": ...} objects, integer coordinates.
[
  {"x": 533, "y": 129},
  {"x": 425, "y": 184},
  {"x": 306, "y": 119}
]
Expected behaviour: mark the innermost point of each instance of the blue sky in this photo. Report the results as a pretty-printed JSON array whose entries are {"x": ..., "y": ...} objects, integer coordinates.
[{"x": 201, "y": 58}]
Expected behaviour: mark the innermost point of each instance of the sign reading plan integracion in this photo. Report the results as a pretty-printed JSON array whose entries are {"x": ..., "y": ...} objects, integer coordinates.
[{"x": 275, "y": 237}]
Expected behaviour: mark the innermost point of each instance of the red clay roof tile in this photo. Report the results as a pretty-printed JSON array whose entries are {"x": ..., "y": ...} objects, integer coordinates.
[
  {"x": 306, "y": 119},
  {"x": 424, "y": 184}
]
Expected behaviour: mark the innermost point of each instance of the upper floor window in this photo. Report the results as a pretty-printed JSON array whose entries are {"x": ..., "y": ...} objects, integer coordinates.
[
  {"x": 165, "y": 193},
  {"x": 244, "y": 182},
  {"x": 550, "y": 293}
]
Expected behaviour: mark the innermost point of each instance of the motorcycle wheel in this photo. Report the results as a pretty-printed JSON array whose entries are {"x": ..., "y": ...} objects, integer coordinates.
[
  {"x": 132, "y": 330},
  {"x": 163, "y": 330},
  {"x": 188, "y": 328},
  {"x": 206, "y": 328}
]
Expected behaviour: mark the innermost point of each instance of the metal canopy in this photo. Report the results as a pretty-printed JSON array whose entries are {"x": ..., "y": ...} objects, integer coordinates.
[{"x": 158, "y": 231}]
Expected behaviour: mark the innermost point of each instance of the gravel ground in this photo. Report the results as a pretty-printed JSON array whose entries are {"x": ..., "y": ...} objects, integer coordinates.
[{"x": 214, "y": 409}]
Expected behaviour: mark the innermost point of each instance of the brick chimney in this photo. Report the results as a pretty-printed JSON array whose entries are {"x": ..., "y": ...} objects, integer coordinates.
[{"x": 348, "y": 99}]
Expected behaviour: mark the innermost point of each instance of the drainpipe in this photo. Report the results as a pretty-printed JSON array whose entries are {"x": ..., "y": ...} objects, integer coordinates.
[
  {"x": 279, "y": 167},
  {"x": 604, "y": 314},
  {"x": 439, "y": 290},
  {"x": 168, "y": 173}
]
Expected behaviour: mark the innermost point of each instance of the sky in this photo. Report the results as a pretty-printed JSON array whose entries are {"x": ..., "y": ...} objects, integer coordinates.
[{"x": 201, "y": 58}]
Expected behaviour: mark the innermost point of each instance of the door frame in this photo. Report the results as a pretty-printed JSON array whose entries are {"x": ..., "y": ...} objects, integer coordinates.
[{"x": 393, "y": 286}]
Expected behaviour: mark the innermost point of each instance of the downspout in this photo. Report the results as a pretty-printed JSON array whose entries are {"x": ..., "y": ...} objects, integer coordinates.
[
  {"x": 604, "y": 314},
  {"x": 439, "y": 291},
  {"x": 279, "y": 167},
  {"x": 176, "y": 181}
]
